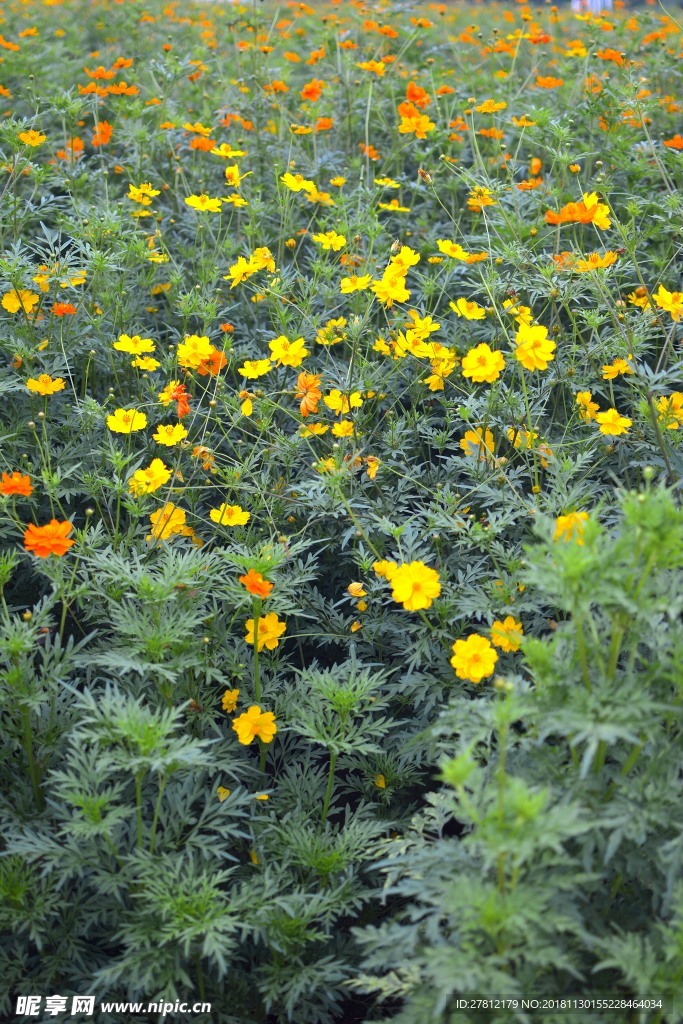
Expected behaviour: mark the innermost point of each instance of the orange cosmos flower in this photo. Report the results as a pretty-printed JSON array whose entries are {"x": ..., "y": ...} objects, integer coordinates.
[
  {"x": 52, "y": 539},
  {"x": 417, "y": 95},
  {"x": 63, "y": 309},
  {"x": 255, "y": 583},
  {"x": 212, "y": 365},
  {"x": 548, "y": 82},
  {"x": 102, "y": 134},
  {"x": 15, "y": 483},
  {"x": 313, "y": 90},
  {"x": 308, "y": 391}
]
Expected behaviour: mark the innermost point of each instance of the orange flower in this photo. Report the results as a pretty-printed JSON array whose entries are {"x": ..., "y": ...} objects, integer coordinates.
[
  {"x": 52, "y": 539},
  {"x": 102, "y": 134},
  {"x": 15, "y": 483},
  {"x": 212, "y": 365},
  {"x": 308, "y": 391},
  {"x": 417, "y": 95},
  {"x": 180, "y": 396},
  {"x": 674, "y": 143},
  {"x": 63, "y": 309},
  {"x": 256, "y": 584},
  {"x": 313, "y": 90},
  {"x": 548, "y": 82}
]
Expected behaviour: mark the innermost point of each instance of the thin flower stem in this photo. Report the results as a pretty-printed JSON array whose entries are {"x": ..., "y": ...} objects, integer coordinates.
[
  {"x": 330, "y": 785},
  {"x": 256, "y": 612},
  {"x": 33, "y": 767}
]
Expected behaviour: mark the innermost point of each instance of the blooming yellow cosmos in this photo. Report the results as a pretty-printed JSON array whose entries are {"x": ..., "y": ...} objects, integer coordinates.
[
  {"x": 229, "y": 515},
  {"x": 126, "y": 421},
  {"x": 414, "y": 585}
]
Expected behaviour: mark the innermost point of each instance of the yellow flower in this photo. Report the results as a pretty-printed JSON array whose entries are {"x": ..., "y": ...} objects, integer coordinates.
[
  {"x": 354, "y": 283},
  {"x": 597, "y": 211},
  {"x": 470, "y": 310},
  {"x": 481, "y": 364},
  {"x": 456, "y": 251},
  {"x": 356, "y": 590},
  {"x": 270, "y": 629},
  {"x": 313, "y": 429},
  {"x": 204, "y": 203},
  {"x": 612, "y": 424},
  {"x": 391, "y": 287},
  {"x": 587, "y": 407},
  {"x": 240, "y": 271},
  {"x": 507, "y": 635},
  {"x": 340, "y": 403},
  {"x": 670, "y": 302},
  {"x": 126, "y": 421},
  {"x": 15, "y": 300},
  {"x": 45, "y": 384},
  {"x": 170, "y": 434},
  {"x": 473, "y": 659},
  {"x": 380, "y": 781},
  {"x": 233, "y": 177},
  {"x": 372, "y": 464},
  {"x": 149, "y": 480},
  {"x": 478, "y": 442},
  {"x": 297, "y": 182},
  {"x": 222, "y": 793},
  {"x": 480, "y": 197},
  {"x": 229, "y": 515},
  {"x": 403, "y": 260},
  {"x": 288, "y": 353},
  {"x": 385, "y": 568},
  {"x": 142, "y": 193},
  {"x": 522, "y": 314},
  {"x": 330, "y": 240},
  {"x": 570, "y": 526},
  {"x": 491, "y": 106},
  {"x": 596, "y": 262},
  {"x": 145, "y": 363},
  {"x": 135, "y": 345},
  {"x": 414, "y": 585},
  {"x": 32, "y": 137},
  {"x": 167, "y": 522},
  {"x": 254, "y": 368},
  {"x": 229, "y": 700},
  {"x": 612, "y": 370},
  {"x": 226, "y": 151},
  {"x": 670, "y": 410},
  {"x": 343, "y": 429},
  {"x": 255, "y": 723},
  {"x": 534, "y": 349},
  {"x": 193, "y": 350},
  {"x": 263, "y": 259}
]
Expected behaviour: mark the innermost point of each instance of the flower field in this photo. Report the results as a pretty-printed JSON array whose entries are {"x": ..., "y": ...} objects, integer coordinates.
[{"x": 341, "y": 604}]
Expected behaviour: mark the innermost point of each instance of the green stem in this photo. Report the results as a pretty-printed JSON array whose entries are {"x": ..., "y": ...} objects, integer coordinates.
[
  {"x": 581, "y": 649},
  {"x": 330, "y": 786},
  {"x": 138, "y": 804},
  {"x": 33, "y": 767},
  {"x": 256, "y": 613},
  {"x": 152, "y": 838}
]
